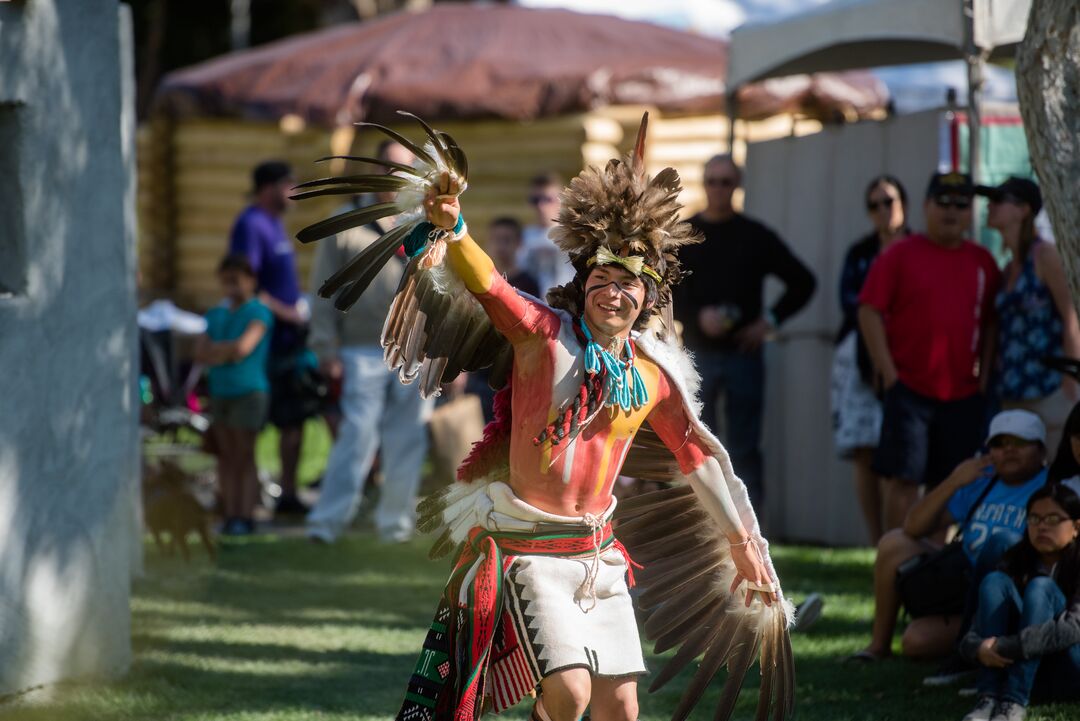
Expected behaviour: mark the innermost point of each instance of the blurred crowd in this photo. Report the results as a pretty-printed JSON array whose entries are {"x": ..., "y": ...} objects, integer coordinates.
[{"x": 951, "y": 390}]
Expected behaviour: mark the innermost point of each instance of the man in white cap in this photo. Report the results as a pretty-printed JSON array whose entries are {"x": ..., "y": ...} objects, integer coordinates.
[{"x": 987, "y": 495}]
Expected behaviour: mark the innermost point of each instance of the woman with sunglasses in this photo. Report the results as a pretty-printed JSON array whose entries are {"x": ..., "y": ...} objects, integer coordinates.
[
  {"x": 1026, "y": 634},
  {"x": 856, "y": 409},
  {"x": 1035, "y": 313}
]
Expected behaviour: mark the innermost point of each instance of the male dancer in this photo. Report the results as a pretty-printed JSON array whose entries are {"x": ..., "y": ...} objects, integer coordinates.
[{"x": 538, "y": 596}]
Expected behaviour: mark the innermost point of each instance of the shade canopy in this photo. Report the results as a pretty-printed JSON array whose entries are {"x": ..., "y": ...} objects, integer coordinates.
[
  {"x": 850, "y": 34},
  {"x": 472, "y": 61}
]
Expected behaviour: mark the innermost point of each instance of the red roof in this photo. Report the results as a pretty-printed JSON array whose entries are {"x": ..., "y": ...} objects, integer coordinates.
[{"x": 472, "y": 61}]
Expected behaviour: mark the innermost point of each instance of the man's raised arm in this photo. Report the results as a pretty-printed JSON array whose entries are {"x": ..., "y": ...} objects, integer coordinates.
[{"x": 515, "y": 317}]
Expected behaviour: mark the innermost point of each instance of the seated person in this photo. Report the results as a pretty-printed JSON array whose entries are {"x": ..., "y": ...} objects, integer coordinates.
[
  {"x": 1026, "y": 633},
  {"x": 1015, "y": 469}
]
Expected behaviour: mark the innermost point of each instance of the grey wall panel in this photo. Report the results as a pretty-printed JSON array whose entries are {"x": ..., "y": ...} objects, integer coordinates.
[{"x": 68, "y": 433}]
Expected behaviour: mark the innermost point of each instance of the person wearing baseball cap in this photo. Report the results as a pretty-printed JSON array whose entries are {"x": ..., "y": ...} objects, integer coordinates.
[
  {"x": 987, "y": 496},
  {"x": 1036, "y": 317},
  {"x": 259, "y": 235},
  {"x": 925, "y": 314},
  {"x": 1021, "y": 424}
]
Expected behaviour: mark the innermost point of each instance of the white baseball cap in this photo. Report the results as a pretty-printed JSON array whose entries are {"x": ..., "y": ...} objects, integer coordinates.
[{"x": 1022, "y": 424}]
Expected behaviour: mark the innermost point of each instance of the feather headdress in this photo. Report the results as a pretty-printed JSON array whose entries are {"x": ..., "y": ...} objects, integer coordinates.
[{"x": 619, "y": 209}]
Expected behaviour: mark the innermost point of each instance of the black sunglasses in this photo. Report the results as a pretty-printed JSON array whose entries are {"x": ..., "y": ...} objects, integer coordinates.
[
  {"x": 538, "y": 199},
  {"x": 1006, "y": 198},
  {"x": 873, "y": 205},
  {"x": 720, "y": 182},
  {"x": 960, "y": 202}
]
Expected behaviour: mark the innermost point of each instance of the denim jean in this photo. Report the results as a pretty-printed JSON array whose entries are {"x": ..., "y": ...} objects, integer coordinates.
[
  {"x": 741, "y": 378},
  {"x": 986, "y": 562},
  {"x": 1004, "y": 611},
  {"x": 377, "y": 411}
]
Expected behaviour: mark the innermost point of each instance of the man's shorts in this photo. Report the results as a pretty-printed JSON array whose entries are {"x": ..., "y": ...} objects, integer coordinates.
[
  {"x": 247, "y": 412},
  {"x": 298, "y": 390},
  {"x": 923, "y": 439}
]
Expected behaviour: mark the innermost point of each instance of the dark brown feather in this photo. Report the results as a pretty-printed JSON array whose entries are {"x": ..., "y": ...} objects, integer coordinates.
[
  {"x": 365, "y": 259},
  {"x": 351, "y": 219},
  {"x": 738, "y": 663},
  {"x": 716, "y": 625},
  {"x": 375, "y": 161},
  {"x": 366, "y": 183},
  {"x": 412, "y": 147}
]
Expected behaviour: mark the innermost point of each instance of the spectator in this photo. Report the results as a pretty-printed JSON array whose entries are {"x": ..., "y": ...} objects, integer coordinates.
[
  {"x": 549, "y": 265},
  {"x": 925, "y": 315},
  {"x": 1036, "y": 317},
  {"x": 376, "y": 407},
  {"x": 235, "y": 346},
  {"x": 724, "y": 322},
  {"x": 1026, "y": 635},
  {"x": 503, "y": 245},
  {"x": 259, "y": 235},
  {"x": 856, "y": 409},
  {"x": 1065, "y": 467},
  {"x": 1013, "y": 471}
]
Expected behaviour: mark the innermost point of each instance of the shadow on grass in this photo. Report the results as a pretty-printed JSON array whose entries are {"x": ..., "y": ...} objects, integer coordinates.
[{"x": 281, "y": 630}]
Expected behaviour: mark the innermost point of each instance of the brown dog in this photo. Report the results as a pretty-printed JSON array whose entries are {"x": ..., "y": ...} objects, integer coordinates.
[{"x": 170, "y": 508}]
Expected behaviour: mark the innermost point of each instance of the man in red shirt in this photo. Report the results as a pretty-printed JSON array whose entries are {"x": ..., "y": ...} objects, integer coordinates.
[{"x": 926, "y": 312}]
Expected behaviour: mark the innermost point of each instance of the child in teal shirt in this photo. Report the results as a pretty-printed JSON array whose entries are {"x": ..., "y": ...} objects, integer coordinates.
[{"x": 235, "y": 346}]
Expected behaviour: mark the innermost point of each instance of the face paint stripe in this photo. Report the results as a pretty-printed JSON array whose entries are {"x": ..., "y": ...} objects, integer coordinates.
[{"x": 618, "y": 286}]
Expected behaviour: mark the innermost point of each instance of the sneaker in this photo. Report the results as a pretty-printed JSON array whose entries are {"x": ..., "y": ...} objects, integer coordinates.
[
  {"x": 953, "y": 670},
  {"x": 319, "y": 538},
  {"x": 808, "y": 612},
  {"x": 235, "y": 527},
  {"x": 1009, "y": 711},
  {"x": 983, "y": 711},
  {"x": 290, "y": 505}
]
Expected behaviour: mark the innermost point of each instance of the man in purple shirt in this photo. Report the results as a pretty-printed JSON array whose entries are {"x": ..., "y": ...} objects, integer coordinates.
[{"x": 259, "y": 235}]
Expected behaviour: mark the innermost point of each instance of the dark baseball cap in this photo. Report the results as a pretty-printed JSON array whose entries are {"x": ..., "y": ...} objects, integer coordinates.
[
  {"x": 950, "y": 184},
  {"x": 1024, "y": 190},
  {"x": 269, "y": 172}
]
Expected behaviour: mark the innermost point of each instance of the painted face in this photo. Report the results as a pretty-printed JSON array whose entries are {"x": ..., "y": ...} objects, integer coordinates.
[
  {"x": 1049, "y": 527},
  {"x": 614, "y": 298}
]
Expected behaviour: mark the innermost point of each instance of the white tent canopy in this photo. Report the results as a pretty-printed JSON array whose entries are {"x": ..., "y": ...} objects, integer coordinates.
[{"x": 853, "y": 34}]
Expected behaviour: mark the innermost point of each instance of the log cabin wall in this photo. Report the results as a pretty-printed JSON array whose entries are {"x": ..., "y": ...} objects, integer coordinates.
[{"x": 195, "y": 175}]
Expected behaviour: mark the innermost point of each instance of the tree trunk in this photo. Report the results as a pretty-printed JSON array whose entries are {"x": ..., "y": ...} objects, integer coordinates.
[{"x": 1048, "y": 86}]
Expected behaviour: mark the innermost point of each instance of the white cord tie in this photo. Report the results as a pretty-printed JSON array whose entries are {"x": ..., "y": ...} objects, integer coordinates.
[{"x": 587, "y": 589}]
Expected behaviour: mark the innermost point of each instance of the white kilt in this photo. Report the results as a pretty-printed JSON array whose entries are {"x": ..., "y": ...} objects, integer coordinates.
[{"x": 560, "y": 618}]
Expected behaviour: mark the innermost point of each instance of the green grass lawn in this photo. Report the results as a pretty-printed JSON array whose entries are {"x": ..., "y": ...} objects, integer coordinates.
[{"x": 281, "y": 630}]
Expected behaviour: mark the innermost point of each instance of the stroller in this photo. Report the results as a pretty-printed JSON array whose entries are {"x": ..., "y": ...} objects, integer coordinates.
[{"x": 172, "y": 424}]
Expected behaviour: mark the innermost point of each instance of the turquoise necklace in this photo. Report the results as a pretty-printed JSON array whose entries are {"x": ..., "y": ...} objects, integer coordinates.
[{"x": 623, "y": 386}]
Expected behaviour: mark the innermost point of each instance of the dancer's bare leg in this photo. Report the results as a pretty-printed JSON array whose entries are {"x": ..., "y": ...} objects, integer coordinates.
[
  {"x": 566, "y": 694},
  {"x": 614, "y": 699}
]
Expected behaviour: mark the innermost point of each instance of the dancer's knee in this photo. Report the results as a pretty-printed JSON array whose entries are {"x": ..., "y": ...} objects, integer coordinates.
[{"x": 566, "y": 694}]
